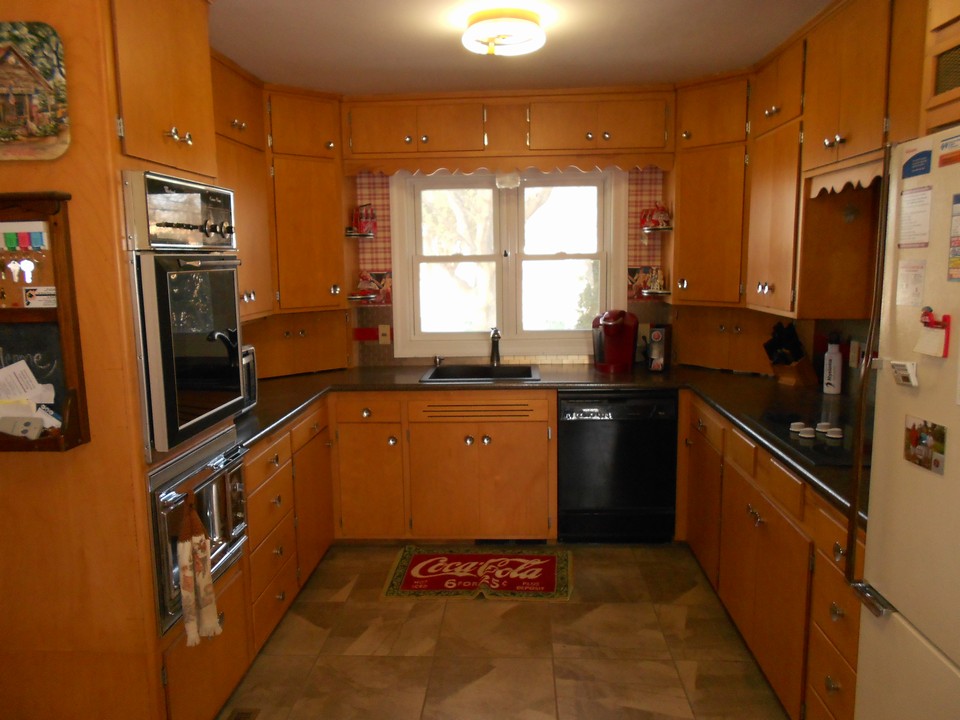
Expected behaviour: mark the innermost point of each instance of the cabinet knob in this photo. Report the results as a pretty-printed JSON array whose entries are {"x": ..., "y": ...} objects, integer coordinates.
[
  {"x": 831, "y": 685},
  {"x": 330, "y": 145},
  {"x": 838, "y": 552},
  {"x": 737, "y": 329},
  {"x": 302, "y": 333},
  {"x": 278, "y": 500},
  {"x": 686, "y": 134},
  {"x": 366, "y": 412},
  {"x": 767, "y": 288},
  {"x": 688, "y": 442},
  {"x": 606, "y": 136},
  {"x": 392, "y": 440},
  {"x": 238, "y": 124},
  {"x": 836, "y": 612},
  {"x": 682, "y": 284},
  {"x": 700, "y": 425},
  {"x": 424, "y": 139},
  {"x": 275, "y": 460},
  {"x": 589, "y": 136},
  {"x": 334, "y": 289},
  {"x": 408, "y": 139},
  {"x": 282, "y": 595},
  {"x": 486, "y": 440},
  {"x": 468, "y": 440},
  {"x": 174, "y": 134},
  {"x": 722, "y": 328},
  {"x": 839, "y": 139},
  {"x": 278, "y": 551},
  {"x": 829, "y": 142},
  {"x": 771, "y": 111}
]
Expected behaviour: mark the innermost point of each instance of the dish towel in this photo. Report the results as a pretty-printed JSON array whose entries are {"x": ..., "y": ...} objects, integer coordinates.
[{"x": 196, "y": 586}]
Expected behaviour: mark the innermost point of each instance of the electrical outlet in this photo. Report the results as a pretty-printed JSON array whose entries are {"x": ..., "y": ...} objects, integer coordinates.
[{"x": 384, "y": 334}]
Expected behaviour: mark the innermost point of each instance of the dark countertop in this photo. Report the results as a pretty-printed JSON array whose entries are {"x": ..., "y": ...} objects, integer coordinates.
[{"x": 744, "y": 399}]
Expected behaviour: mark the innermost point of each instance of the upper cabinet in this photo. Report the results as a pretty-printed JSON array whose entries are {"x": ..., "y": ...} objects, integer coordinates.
[
  {"x": 846, "y": 83},
  {"x": 238, "y": 106},
  {"x": 166, "y": 107},
  {"x": 776, "y": 90},
  {"x": 629, "y": 122},
  {"x": 712, "y": 113},
  {"x": 941, "y": 87},
  {"x": 304, "y": 125},
  {"x": 385, "y": 127}
]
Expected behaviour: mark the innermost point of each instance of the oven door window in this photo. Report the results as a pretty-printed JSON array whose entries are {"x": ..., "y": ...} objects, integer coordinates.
[{"x": 200, "y": 328}]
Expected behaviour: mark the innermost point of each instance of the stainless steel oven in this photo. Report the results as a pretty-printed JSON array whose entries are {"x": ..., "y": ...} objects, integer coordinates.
[
  {"x": 213, "y": 473},
  {"x": 184, "y": 262}
]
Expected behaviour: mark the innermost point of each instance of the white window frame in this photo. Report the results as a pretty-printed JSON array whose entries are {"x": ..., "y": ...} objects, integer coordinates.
[{"x": 612, "y": 218}]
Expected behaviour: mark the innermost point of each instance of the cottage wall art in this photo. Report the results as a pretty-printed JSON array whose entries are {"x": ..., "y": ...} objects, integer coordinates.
[{"x": 34, "y": 124}]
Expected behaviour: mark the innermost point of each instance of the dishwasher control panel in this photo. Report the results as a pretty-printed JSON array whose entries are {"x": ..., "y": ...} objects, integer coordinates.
[{"x": 587, "y": 413}]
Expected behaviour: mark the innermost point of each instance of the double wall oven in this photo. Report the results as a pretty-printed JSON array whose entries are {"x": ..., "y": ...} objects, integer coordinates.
[{"x": 183, "y": 260}]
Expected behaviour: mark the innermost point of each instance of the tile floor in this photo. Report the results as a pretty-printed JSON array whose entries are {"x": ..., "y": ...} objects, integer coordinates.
[{"x": 643, "y": 636}]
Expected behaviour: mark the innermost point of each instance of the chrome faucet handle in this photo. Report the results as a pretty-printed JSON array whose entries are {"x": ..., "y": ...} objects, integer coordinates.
[
  {"x": 438, "y": 360},
  {"x": 494, "y": 333}
]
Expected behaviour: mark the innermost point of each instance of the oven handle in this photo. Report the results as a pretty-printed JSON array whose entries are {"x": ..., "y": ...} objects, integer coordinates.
[{"x": 224, "y": 263}]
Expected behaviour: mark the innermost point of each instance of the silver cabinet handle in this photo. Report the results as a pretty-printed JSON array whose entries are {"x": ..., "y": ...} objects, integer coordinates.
[
  {"x": 175, "y": 135},
  {"x": 737, "y": 329},
  {"x": 238, "y": 124},
  {"x": 315, "y": 428},
  {"x": 392, "y": 440},
  {"x": 686, "y": 135},
  {"x": 334, "y": 289},
  {"x": 278, "y": 500},
  {"x": 486, "y": 440},
  {"x": 302, "y": 333},
  {"x": 831, "y": 685},
  {"x": 688, "y": 442},
  {"x": 275, "y": 460},
  {"x": 606, "y": 136},
  {"x": 836, "y": 612},
  {"x": 759, "y": 288},
  {"x": 838, "y": 552},
  {"x": 767, "y": 288},
  {"x": 282, "y": 595},
  {"x": 839, "y": 139},
  {"x": 589, "y": 136},
  {"x": 278, "y": 551},
  {"x": 330, "y": 145},
  {"x": 829, "y": 142},
  {"x": 682, "y": 284},
  {"x": 771, "y": 111},
  {"x": 468, "y": 440},
  {"x": 366, "y": 412},
  {"x": 408, "y": 139},
  {"x": 722, "y": 328},
  {"x": 700, "y": 425},
  {"x": 424, "y": 139}
]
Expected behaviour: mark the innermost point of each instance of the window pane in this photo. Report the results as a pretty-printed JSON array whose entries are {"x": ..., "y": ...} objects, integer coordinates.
[
  {"x": 560, "y": 294},
  {"x": 560, "y": 219},
  {"x": 458, "y": 221},
  {"x": 458, "y": 296}
]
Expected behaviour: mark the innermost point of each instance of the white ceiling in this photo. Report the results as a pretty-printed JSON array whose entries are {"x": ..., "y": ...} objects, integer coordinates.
[{"x": 356, "y": 47}]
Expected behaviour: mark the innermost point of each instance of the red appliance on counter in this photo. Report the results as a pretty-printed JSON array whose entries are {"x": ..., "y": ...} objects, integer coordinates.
[{"x": 614, "y": 341}]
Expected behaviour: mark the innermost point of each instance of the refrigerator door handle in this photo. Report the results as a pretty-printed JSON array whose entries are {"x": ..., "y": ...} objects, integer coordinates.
[{"x": 874, "y": 601}]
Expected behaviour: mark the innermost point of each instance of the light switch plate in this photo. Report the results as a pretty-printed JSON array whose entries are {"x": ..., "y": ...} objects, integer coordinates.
[{"x": 384, "y": 334}]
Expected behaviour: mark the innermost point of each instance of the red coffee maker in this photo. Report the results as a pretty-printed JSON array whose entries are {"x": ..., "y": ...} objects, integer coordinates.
[{"x": 614, "y": 341}]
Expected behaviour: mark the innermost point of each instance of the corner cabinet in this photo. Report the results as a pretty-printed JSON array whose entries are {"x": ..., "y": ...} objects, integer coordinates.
[
  {"x": 776, "y": 90},
  {"x": 165, "y": 88}
]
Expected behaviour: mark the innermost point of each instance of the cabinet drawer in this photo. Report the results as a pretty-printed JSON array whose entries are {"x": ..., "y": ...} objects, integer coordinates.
[
  {"x": 741, "y": 451},
  {"x": 304, "y": 430},
  {"x": 271, "y": 554},
  {"x": 265, "y": 459},
  {"x": 267, "y": 506},
  {"x": 363, "y": 407},
  {"x": 831, "y": 678},
  {"x": 829, "y": 533},
  {"x": 708, "y": 423},
  {"x": 520, "y": 408},
  {"x": 273, "y": 603},
  {"x": 836, "y": 608},
  {"x": 780, "y": 484}
]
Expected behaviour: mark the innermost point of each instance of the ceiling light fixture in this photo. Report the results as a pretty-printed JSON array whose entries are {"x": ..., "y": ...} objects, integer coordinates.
[{"x": 504, "y": 32}]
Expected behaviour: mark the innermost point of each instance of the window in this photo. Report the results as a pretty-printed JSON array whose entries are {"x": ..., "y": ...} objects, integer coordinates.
[{"x": 536, "y": 255}]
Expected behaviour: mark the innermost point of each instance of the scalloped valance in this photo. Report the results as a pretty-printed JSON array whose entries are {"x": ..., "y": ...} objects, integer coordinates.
[
  {"x": 512, "y": 163},
  {"x": 861, "y": 174}
]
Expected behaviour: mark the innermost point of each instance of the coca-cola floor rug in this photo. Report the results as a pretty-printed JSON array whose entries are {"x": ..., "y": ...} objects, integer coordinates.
[{"x": 527, "y": 573}]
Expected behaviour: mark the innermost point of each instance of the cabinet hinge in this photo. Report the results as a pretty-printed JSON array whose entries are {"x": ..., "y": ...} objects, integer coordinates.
[
  {"x": 549, "y": 433},
  {"x": 746, "y": 158},
  {"x": 276, "y": 296},
  {"x": 886, "y": 125},
  {"x": 801, "y": 137},
  {"x": 273, "y": 172},
  {"x": 269, "y": 106},
  {"x": 741, "y": 289},
  {"x": 270, "y": 145},
  {"x": 163, "y": 675},
  {"x": 666, "y": 136},
  {"x": 793, "y": 295},
  {"x": 812, "y": 559},
  {"x": 748, "y": 127},
  {"x": 120, "y": 127}
]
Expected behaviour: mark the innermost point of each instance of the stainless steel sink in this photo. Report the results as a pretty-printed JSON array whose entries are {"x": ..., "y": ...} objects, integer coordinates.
[{"x": 481, "y": 374}]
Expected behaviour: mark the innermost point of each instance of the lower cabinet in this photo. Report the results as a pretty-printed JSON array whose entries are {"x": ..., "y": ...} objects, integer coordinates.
[
  {"x": 703, "y": 446},
  {"x": 199, "y": 679},
  {"x": 312, "y": 489}
]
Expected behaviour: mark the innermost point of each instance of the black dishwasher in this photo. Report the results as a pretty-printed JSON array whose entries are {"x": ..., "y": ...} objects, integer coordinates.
[{"x": 617, "y": 466}]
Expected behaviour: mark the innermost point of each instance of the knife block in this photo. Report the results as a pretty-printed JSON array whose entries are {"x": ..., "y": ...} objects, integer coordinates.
[{"x": 799, "y": 374}]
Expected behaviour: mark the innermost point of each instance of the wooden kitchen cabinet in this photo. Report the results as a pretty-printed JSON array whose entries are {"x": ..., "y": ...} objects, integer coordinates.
[
  {"x": 165, "y": 87},
  {"x": 238, "y": 111},
  {"x": 703, "y": 445},
  {"x": 774, "y": 182},
  {"x": 244, "y": 170},
  {"x": 712, "y": 113},
  {"x": 312, "y": 488},
  {"x": 302, "y": 124},
  {"x": 776, "y": 90},
  {"x": 309, "y": 234},
  {"x": 480, "y": 466},
  {"x": 220, "y": 661},
  {"x": 369, "y": 465},
  {"x": 845, "y": 89},
  {"x": 296, "y": 343},
  {"x": 383, "y": 128},
  {"x": 703, "y": 253},
  {"x": 629, "y": 122}
]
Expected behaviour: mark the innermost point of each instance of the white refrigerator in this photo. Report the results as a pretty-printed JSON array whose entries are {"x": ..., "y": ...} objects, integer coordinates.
[{"x": 909, "y": 661}]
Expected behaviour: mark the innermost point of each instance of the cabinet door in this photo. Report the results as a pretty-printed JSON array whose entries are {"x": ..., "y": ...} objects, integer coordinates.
[
  {"x": 376, "y": 128},
  {"x": 244, "y": 170},
  {"x": 163, "y": 72},
  {"x": 450, "y": 127},
  {"x": 738, "y": 550},
  {"x": 712, "y": 114},
  {"x": 771, "y": 235},
  {"x": 782, "y": 603},
  {"x": 444, "y": 494},
  {"x": 309, "y": 232},
  {"x": 708, "y": 225},
  {"x": 563, "y": 125},
  {"x": 703, "y": 507},
  {"x": 514, "y": 478},
  {"x": 776, "y": 91},
  {"x": 313, "y": 489},
  {"x": 623, "y": 124},
  {"x": 221, "y": 661},
  {"x": 301, "y": 125},
  {"x": 237, "y": 106},
  {"x": 370, "y": 461}
]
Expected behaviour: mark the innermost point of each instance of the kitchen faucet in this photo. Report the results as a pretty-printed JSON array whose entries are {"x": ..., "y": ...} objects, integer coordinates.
[{"x": 495, "y": 346}]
